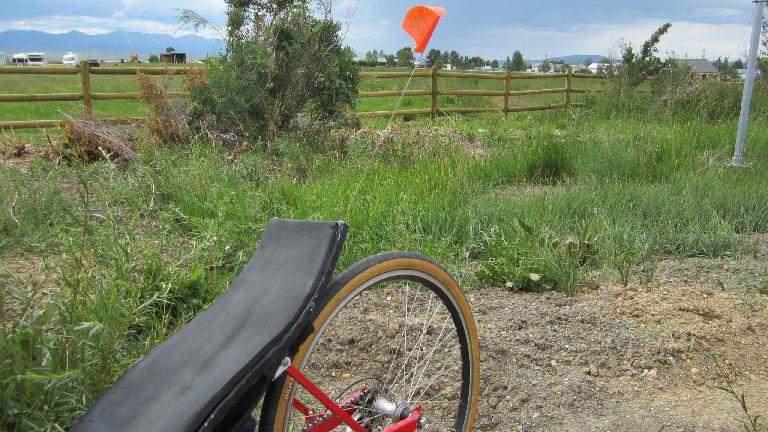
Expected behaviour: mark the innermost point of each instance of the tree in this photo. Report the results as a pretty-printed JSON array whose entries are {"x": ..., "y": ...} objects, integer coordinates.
[
  {"x": 153, "y": 59},
  {"x": 518, "y": 63},
  {"x": 494, "y": 64},
  {"x": 404, "y": 57},
  {"x": 391, "y": 60},
  {"x": 170, "y": 50},
  {"x": 455, "y": 59},
  {"x": 445, "y": 58},
  {"x": 508, "y": 64},
  {"x": 372, "y": 58},
  {"x": 588, "y": 61},
  {"x": 433, "y": 57},
  {"x": 546, "y": 66},
  {"x": 636, "y": 68},
  {"x": 281, "y": 59},
  {"x": 739, "y": 64}
]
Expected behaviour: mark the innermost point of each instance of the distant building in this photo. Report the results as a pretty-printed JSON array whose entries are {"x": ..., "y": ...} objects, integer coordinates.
[
  {"x": 3, "y": 59},
  {"x": 597, "y": 68},
  {"x": 70, "y": 59},
  {"x": 534, "y": 68},
  {"x": 700, "y": 67},
  {"x": 30, "y": 59},
  {"x": 173, "y": 57}
]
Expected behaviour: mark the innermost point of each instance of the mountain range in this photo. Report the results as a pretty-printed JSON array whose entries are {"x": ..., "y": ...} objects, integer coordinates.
[{"x": 114, "y": 46}]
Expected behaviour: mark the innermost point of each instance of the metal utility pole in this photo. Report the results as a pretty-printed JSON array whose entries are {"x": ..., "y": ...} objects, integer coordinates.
[{"x": 749, "y": 82}]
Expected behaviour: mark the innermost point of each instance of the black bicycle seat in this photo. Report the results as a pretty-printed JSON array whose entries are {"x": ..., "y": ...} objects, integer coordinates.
[{"x": 192, "y": 380}]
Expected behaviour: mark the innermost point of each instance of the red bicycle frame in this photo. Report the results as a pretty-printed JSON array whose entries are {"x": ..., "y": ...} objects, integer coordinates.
[{"x": 326, "y": 422}]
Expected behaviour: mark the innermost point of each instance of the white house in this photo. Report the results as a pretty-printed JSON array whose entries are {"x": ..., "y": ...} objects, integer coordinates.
[{"x": 534, "y": 68}]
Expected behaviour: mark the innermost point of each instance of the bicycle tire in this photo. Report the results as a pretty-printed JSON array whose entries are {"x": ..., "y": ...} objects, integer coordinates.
[{"x": 397, "y": 267}]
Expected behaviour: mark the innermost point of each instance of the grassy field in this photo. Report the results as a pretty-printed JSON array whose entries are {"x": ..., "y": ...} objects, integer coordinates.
[
  {"x": 15, "y": 84},
  {"x": 100, "y": 263}
]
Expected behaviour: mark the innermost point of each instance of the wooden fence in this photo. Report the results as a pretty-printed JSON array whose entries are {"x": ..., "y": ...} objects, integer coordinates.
[
  {"x": 507, "y": 77},
  {"x": 87, "y": 96}
]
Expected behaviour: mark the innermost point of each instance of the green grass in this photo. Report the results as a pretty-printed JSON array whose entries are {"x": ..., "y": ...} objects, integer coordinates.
[{"x": 535, "y": 201}]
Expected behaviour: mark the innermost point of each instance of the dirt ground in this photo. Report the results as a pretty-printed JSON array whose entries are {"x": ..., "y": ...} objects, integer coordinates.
[{"x": 634, "y": 358}]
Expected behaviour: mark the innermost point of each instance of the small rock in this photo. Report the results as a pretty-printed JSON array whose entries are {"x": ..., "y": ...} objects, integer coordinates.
[
  {"x": 694, "y": 371},
  {"x": 522, "y": 398},
  {"x": 585, "y": 371},
  {"x": 594, "y": 371},
  {"x": 652, "y": 374},
  {"x": 494, "y": 401},
  {"x": 553, "y": 363},
  {"x": 346, "y": 376},
  {"x": 392, "y": 330},
  {"x": 535, "y": 381}
]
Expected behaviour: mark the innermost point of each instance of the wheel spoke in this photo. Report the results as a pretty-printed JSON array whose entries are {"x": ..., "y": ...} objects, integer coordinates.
[{"x": 411, "y": 351}]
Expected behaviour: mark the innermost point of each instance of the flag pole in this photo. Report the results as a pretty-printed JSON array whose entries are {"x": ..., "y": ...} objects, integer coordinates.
[{"x": 749, "y": 83}]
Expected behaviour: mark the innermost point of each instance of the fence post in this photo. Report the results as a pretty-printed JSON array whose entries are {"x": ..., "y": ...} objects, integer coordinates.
[
  {"x": 506, "y": 93},
  {"x": 85, "y": 74},
  {"x": 568, "y": 86},
  {"x": 434, "y": 93}
]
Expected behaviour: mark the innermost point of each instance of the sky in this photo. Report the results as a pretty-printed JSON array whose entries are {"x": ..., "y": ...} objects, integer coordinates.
[{"x": 489, "y": 28}]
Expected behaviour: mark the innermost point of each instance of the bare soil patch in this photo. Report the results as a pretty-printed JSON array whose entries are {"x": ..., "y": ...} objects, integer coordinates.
[{"x": 630, "y": 358}]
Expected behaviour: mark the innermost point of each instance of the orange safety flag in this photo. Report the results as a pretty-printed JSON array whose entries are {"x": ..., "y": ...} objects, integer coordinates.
[{"x": 420, "y": 22}]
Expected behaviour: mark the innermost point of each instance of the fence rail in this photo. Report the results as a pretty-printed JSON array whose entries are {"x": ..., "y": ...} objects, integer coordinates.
[
  {"x": 87, "y": 96},
  {"x": 506, "y": 94}
]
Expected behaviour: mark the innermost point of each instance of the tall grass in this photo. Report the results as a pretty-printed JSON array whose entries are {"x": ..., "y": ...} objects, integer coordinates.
[{"x": 534, "y": 202}]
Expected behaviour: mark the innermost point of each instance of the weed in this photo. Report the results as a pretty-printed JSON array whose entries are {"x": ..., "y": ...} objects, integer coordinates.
[
  {"x": 12, "y": 146},
  {"x": 167, "y": 122},
  {"x": 532, "y": 260},
  {"x": 751, "y": 423}
]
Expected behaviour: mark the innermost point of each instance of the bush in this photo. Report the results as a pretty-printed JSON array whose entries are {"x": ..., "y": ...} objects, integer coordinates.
[
  {"x": 167, "y": 121},
  {"x": 283, "y": 67}
]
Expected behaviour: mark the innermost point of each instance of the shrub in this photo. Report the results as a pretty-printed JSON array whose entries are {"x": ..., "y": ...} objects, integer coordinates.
[
  {"x": 167, "y": 121},
  {"x": 283, "y": 67}
]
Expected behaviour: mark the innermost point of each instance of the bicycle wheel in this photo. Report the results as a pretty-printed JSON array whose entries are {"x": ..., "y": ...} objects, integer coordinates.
[{"x": 398, "y": 326}]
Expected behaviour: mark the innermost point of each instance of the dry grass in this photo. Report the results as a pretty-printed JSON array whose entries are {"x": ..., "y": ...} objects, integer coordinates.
[
  {"x": 89, "y": 139},
  {"x": 12, "y": 146},
  {"x": 167, "y": 120}
]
